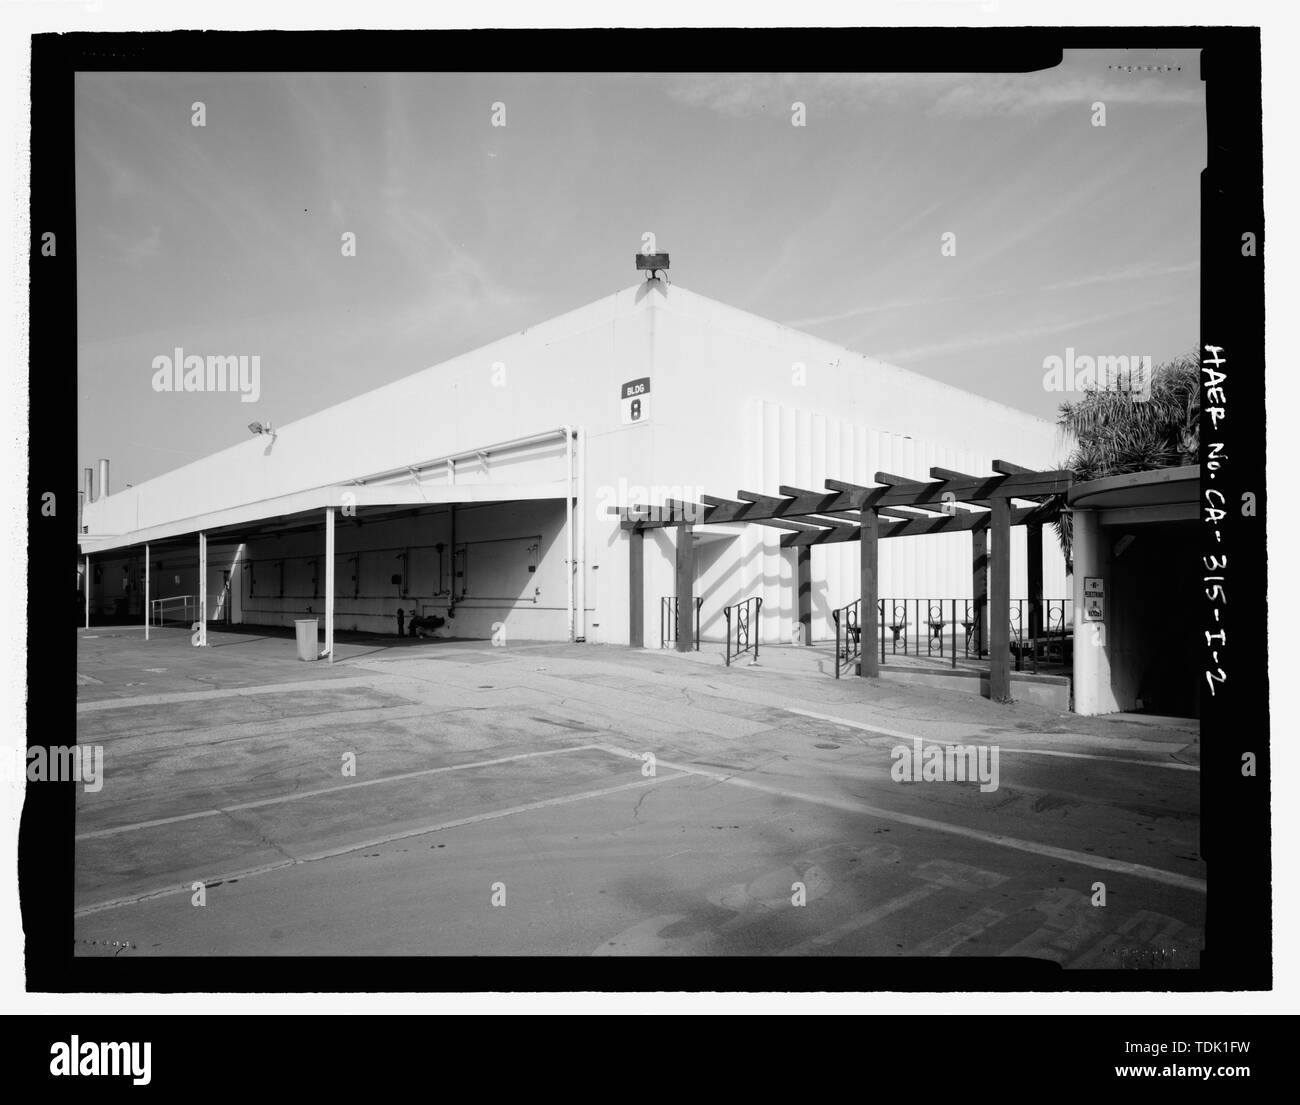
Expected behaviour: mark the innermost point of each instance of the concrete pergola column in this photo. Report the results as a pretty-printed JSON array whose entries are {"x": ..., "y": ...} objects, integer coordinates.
[
  {"x": 685, "y": 589},
  {"x": 868, "y": 627}
]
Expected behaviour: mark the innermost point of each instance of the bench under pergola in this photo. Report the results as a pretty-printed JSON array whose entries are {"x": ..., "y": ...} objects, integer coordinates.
[{"x": 896, "y": 507}]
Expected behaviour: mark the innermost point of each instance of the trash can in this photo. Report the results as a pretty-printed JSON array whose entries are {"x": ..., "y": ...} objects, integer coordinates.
[{"x": 308, "y": 635}]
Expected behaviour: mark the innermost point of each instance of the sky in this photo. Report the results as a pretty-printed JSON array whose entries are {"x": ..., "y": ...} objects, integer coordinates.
[{"x": 226, "y": 238}]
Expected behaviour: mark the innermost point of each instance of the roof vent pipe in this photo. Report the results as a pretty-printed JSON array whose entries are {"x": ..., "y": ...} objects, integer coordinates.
[{"x": 103, "y": 478}]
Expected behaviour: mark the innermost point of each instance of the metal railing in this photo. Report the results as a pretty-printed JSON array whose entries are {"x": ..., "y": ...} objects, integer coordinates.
[
  {"x": 742, "y": 627},
  {"x": 848, "y": 635},
  {"x": 158, "y": 616},
  {"x": 668, "y": 621},
  {"x": 1041, "y": 631}
]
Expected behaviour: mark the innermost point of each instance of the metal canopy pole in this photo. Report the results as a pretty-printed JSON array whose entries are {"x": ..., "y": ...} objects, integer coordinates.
[
  {"x": 203, "y": 589},
  {"x": 329, "y": 583},
  {"x": 148, "y": 610},
  {"x": 86, "y": 585}
]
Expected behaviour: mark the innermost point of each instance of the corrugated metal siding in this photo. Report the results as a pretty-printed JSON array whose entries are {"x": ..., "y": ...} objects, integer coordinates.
[{"x": 787, "y": 445}]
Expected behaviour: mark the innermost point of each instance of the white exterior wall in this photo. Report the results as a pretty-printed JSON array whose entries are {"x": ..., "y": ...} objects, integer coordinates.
[
  {"x": 730, "y": 413},
  {"x": 727, "y": 412}
]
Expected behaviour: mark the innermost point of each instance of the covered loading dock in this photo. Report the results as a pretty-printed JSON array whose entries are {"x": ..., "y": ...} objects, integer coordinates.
[{"x": 445, "y": 535}]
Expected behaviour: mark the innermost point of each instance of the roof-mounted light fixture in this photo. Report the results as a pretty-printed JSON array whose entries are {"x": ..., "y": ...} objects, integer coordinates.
[{"x": 652, "y": 263}]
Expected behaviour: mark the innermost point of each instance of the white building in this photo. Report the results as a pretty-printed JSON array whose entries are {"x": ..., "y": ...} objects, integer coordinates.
[{"x": 480, "y": 489}]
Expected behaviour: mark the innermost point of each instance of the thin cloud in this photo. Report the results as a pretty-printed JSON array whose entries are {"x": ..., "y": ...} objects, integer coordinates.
[
  {"x": 1141, "y": 270},
  {"x": 996, "y": 338},
  {"x": 946, "y": 95}
]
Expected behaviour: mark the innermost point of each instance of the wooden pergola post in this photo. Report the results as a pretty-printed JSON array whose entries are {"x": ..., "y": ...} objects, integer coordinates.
[
  {"x": 869, "y": 645},
  {"x": 979, "y": 544},
  {"x": 1000, "y": 600},
  {"x": 1034, "y": 558},
  {"x": 803, "y": 592},
  {"x": 636, "y": 589},
  {"x": 685, "y": 589}
]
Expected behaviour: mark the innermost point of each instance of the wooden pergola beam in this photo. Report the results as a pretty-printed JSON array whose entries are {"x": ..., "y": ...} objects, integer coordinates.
[
  {"x": 812, "y": 524},
  {"x": 927, "y": 495},
  {"x": 848, "y": 515},
  {"x": 945, "y": 523},
  {"x": 888, "y": 512}
]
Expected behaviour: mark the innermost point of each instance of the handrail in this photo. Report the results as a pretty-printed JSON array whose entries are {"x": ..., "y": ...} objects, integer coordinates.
[
  {"x": 746, "y": 613},
  {"x": 668, "y": 626},
  {"x": 1033, "y": 633},
  {"x": 155, "y": 607}
]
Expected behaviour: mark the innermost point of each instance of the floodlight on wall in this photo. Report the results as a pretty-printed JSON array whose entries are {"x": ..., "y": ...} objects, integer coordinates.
[
  {"x": 258, "y": 428},
  {"x": 652, "y": 263}
]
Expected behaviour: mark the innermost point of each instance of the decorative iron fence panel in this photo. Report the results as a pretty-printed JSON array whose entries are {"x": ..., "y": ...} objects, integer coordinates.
[{"x": 742, "y": 628}]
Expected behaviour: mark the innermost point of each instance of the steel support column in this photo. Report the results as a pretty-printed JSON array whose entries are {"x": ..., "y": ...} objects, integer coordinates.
[
  {"x": 148, "y": 610},
  {"x": 203, "y": 589},
  {"x": 329, "y": 583}
]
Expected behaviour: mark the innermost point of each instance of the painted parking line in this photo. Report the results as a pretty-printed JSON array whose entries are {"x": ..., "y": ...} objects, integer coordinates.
[
  {"x": 1049, "y": 851},
  {"x": 325, "y": 682},
  {"x": 862, "y": 921},
  {"x": 851, "y": 724},
  {"x": 897, "y": 734},
  {"x": 374, "y": 842},
  {"x": 298, "y": 795}
]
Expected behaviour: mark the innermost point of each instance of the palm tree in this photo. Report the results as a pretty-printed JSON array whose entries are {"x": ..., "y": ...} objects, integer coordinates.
[{"x": 1114, "y": 432}]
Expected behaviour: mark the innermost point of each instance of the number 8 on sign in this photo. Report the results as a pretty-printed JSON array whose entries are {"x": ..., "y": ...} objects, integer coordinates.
[{"x": 634, "y": 397}]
